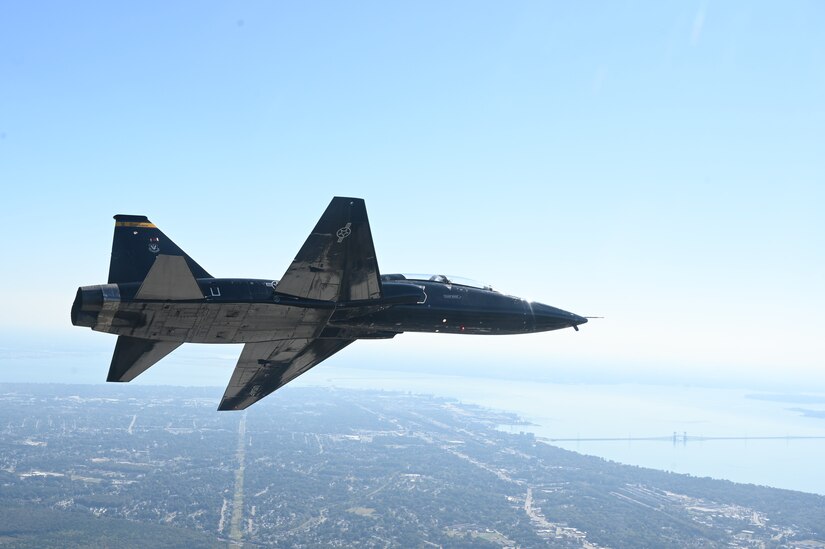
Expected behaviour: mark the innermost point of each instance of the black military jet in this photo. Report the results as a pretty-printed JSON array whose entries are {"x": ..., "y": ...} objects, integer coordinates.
[{"x": 158, "y": 298}]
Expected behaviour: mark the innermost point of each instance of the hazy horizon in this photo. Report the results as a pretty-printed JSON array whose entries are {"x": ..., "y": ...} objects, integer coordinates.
[{"x": 74, "y": 362}]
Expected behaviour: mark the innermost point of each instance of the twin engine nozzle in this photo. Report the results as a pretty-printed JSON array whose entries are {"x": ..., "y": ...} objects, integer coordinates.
[
  {"x": 87, "y": 305},
  {"x": 95, "y": 305}
]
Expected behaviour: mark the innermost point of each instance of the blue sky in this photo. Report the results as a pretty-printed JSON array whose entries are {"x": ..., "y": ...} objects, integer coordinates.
[{"x": 660, "y": 164}]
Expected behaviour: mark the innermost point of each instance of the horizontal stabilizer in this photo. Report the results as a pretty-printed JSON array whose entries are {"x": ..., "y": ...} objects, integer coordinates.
[
  {"x": 133, "y": 356},
  {"x": 169, "y": 278}
]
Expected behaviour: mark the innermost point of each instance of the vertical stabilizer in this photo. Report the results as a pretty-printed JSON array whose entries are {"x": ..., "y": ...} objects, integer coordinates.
[{"x": 136, "y": 244}]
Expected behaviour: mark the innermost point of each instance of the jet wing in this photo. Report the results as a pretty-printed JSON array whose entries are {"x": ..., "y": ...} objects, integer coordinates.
[
  {"x": 264, "y": 367},
  {"x": 337, "y": 262}
]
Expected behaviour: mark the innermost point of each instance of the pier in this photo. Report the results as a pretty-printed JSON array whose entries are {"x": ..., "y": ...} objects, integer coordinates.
[{"x": 677, "y": 438}]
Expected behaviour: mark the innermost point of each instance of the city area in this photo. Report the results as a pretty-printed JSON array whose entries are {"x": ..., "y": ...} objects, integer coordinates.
[{"x": 138, "y": 466}]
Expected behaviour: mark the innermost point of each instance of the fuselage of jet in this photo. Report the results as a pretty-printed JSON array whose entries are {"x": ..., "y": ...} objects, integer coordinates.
[{"x": 236, "y": 310}]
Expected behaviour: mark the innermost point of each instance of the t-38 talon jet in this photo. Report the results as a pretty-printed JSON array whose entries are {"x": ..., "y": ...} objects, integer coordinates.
[{"x": 158, "y": 297}]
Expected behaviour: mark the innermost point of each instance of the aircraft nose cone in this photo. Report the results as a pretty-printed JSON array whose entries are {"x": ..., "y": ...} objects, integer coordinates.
[{"x": 547, "y": 318}]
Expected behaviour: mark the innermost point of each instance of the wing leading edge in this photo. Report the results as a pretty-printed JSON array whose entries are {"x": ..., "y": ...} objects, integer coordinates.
[{"x": 336, "y": 263}]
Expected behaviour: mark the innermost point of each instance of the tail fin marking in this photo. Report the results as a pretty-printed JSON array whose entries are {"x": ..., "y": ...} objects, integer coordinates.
[
  {"x": 169, "y": 278},
  {"x": 136, "y": 244}
]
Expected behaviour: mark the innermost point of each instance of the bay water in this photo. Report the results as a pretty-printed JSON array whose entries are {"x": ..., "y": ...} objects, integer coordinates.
[{"x": 713, "y": 432}]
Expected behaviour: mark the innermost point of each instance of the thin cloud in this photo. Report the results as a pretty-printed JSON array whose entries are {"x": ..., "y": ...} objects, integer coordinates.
[{"x": 698, "y": 24}]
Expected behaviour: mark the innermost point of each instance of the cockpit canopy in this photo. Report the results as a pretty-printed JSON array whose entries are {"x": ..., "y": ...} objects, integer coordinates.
[{"x": 443, "y": 279}]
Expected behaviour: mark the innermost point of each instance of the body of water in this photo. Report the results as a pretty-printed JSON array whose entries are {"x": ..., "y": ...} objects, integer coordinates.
[{"x": 633, "y": 412}]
